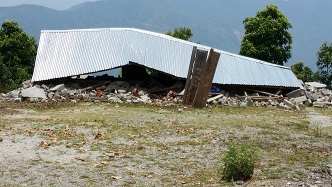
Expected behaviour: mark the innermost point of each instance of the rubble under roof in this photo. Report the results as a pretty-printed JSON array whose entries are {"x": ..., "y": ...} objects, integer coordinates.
[{"x": 163, "y": 90}]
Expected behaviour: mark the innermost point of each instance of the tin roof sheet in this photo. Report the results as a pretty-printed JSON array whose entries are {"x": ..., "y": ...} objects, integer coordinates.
[{"x": 63, "y": 53}]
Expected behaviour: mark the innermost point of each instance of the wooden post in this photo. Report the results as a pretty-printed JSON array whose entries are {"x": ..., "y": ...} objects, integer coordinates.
[
  {"x": 204, "y": 87},
  {"x": 191, "y": 66},
  {"x": 200, "y": 76},
  {"x": 194, "y": 76}
]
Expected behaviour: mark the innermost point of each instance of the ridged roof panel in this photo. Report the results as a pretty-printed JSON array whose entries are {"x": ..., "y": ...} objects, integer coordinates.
[
  {"x": 240, "y": 70},
  {"x": 66, "y": 53}
]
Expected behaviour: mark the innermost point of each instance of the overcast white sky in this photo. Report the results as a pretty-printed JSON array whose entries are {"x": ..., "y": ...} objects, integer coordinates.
[{"x": 55, "y": 4}]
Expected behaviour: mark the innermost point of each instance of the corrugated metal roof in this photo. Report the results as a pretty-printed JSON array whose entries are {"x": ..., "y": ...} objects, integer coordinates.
[
  {"x": 63, "y": 53},
  {"x": 236, "y": 69}
]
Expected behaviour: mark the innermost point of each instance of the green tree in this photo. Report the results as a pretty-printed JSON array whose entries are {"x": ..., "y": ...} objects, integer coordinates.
[
  {"x": 17, "y": 55},
  {"x": 183, "y": 33},
  {"x": 304, "y": 73},
  {"x": 324, "y": 63},
  {"x": 266, "y": 36}
]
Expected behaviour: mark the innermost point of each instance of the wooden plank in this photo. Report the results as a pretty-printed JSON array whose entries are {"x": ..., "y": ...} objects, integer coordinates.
[
  {"x": 279, "y": 92},
  {"x": 211, "y": 69},
  {"x": 215, "y": 98},
  {"x": 191, "y": 65},
  {"x": 207, "y": 78},
  {"x": 260, "y": 98},
  {"x": 266, "y": 93},
  {"x": 196, "y": 75},
  {"x": 94, "y": 86},
  {"x": 199, "y": 73}
]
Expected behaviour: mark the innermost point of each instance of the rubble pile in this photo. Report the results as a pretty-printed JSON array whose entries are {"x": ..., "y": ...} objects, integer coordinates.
[
  {"x": 313, "y": 94},
  {"x": 317, "y": 95},
  {"x": 248, "y": 101},
  {"x": 119, "y": 91}
]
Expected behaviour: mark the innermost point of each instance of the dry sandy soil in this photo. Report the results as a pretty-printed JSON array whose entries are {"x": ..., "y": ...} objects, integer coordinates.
[{"x": 105, "y": 144}]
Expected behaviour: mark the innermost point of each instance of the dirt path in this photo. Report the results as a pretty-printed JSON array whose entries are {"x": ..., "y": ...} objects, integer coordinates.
[{"x": 317, "y": 119}]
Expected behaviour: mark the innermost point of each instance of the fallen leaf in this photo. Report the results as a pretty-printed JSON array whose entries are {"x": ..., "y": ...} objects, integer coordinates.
[
  {"x": 54, "y": 139},
  {"x": 129, "y": 168},
  {"x": 132, "y": 135},
  {"x": 43, "y": 144},
  {"x": 99, "y": 135},
  {"x": 116, "y": 177},
  {"x": 256, "y": 164},
  {"x": 140, "y": 147},
  {"x": 80, "y": 158},
  {"x": 117, "y": 153}
]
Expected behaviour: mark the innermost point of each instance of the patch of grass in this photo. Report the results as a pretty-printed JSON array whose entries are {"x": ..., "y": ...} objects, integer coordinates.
[
  {"x": 206, "y": 176},
  {"x": 318, "y": 131}
]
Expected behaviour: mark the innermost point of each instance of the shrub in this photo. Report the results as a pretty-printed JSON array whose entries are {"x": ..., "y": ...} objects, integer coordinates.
[{"x": 238, "y": 162}]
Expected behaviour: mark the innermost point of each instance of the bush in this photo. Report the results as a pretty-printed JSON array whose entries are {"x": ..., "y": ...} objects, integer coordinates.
[{"x": 238, "y": 162}]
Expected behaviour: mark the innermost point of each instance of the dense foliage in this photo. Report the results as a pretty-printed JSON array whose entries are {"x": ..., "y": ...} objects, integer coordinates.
[
  {"x": 324, "y": 63},
  {"x": 267, "y": 37},
  {"x": 304, "y": 73},
  {"x": 17, "y": 55},
  {"x": 183, "y": 33}
]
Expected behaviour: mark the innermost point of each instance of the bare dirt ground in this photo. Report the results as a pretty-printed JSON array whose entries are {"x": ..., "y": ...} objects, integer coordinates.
[
  {"x": 140, "y": 145},
  {"x": 317, "y": 119}
]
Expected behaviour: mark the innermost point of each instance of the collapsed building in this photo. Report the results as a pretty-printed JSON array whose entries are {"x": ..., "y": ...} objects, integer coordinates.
[
  {"x": 67, "y": 53},
  {"x": 78, "y": 56}
]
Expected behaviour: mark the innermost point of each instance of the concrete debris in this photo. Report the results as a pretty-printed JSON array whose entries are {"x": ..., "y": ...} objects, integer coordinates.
[
  {"x": 13, "y": 94},
  {"x": 300, "y": 106},
  {"x": 18, "y": 100},
  {"x": 288, "y": 103},
  {"x": 295, "y": 93},
  {"x": 326, "y": 92},
  {"x": 58, "y": 87},
  {"x": 319, "y": 104},
  {"x": 311, "y": 95},
  {"x": 117, "y": 92},
  {"x": 33, "y": 92},
  {"x": 26, "y": 84},
  {"x": 300, "y": 99},
  {"x": 120, "y": 91},
  {"x": 315, "y": 85},
  {"x": 247, "y": 102},
  {"x": 308, "y": 102}
]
